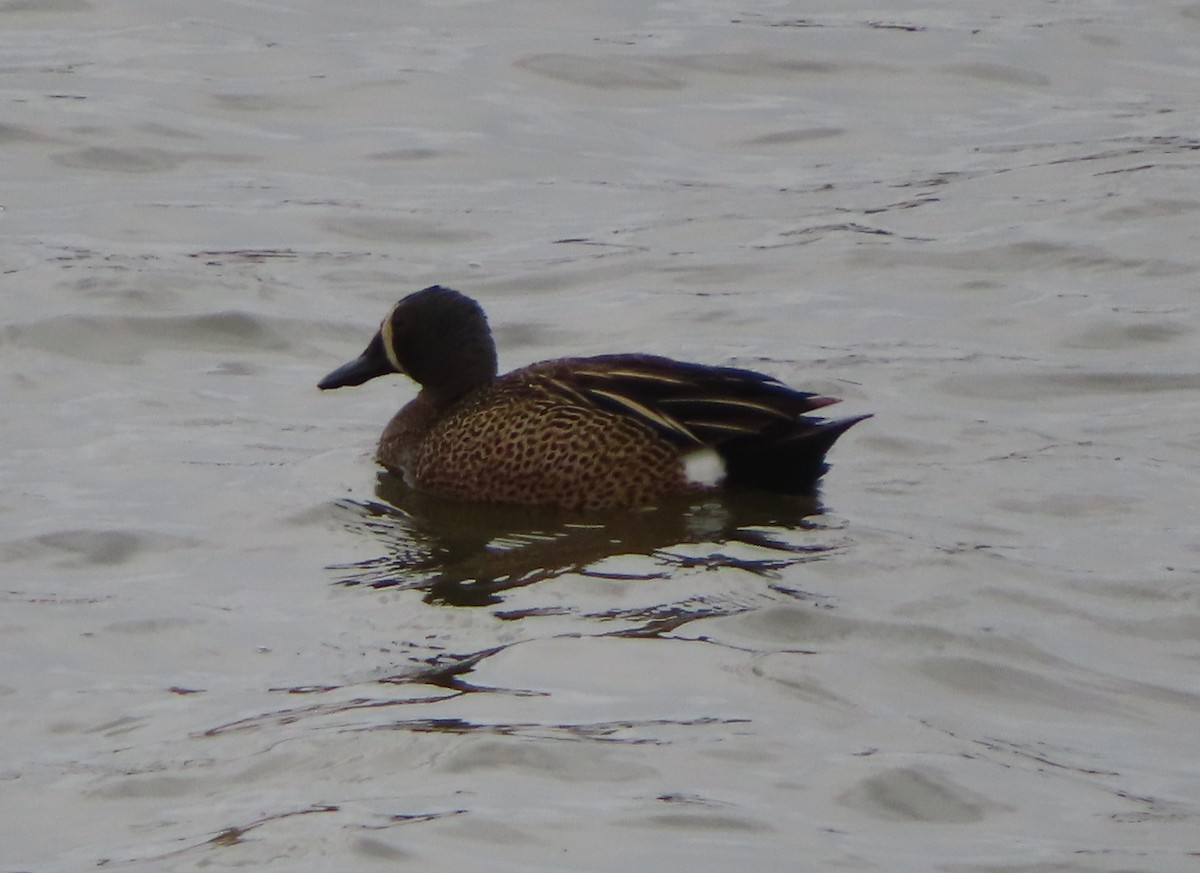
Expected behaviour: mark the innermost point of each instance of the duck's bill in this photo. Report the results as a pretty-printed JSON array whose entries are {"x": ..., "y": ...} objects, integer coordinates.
[{"x": 371, "y": 363}]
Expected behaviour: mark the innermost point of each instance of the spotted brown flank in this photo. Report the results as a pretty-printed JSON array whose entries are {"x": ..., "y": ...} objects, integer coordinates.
[{"x": 614, "y": 430}]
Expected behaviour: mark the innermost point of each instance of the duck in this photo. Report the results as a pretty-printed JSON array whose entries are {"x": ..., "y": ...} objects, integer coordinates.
[{"x": 609, "y": 431}]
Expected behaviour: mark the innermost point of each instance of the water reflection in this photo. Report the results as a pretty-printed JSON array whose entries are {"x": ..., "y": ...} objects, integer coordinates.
[{"x": 470, "y": 555}]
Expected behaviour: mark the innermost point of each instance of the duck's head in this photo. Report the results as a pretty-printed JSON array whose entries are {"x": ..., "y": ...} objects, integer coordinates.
[{"x": 437, "y": 337}]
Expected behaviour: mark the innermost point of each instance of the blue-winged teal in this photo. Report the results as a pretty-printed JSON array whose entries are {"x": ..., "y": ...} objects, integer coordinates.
[{"x": 613, "y": 430}]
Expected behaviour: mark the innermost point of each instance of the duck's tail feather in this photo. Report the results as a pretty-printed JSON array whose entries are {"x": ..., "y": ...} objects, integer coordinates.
[{"x": 787, "y": 460}]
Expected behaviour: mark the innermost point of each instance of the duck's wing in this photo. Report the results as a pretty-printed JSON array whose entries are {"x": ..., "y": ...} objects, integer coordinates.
[{"x": 691, "y": 404}]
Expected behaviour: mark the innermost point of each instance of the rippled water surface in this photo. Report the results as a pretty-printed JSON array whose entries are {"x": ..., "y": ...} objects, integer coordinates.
[{"x": 226, "y": 642}]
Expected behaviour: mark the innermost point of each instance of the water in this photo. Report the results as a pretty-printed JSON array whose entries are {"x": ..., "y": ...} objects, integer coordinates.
[{"x": 976, "y": 221}]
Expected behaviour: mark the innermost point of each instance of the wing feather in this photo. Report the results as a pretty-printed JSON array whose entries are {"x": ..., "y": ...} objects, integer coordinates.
[
  {"x": 654, "y": 416},
  {"x": 688, "y": 403}
]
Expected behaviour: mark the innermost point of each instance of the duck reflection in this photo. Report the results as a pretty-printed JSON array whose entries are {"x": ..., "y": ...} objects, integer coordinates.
[{"x": 463, "y": 554}]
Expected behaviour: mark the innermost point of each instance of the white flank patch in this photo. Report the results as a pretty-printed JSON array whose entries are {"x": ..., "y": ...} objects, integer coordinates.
[{"x": 704, "y": 467}]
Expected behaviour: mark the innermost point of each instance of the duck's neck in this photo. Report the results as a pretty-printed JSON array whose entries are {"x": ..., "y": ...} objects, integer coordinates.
[
  {"x": 466, "y": 370},
  {"x": 452, "y": 359}
]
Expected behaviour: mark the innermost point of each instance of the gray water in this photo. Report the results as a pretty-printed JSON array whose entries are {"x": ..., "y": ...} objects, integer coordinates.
[{"x": 978, "y": 221}]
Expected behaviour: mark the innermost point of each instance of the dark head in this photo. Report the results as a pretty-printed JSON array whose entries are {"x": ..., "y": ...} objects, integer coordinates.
[{"x": 437, "y": 337}]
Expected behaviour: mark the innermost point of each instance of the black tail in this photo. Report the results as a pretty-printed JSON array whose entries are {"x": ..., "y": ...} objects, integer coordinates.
[{"x": 787, "y": 460}]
